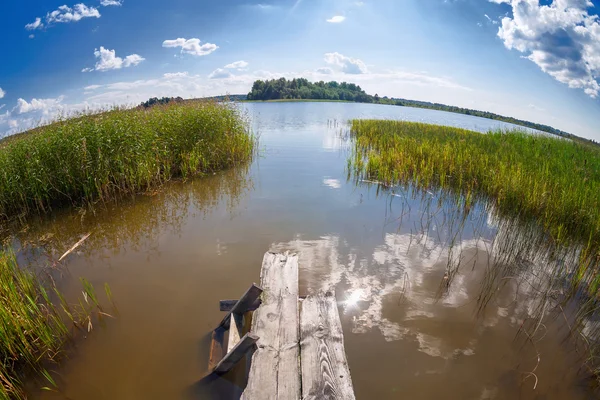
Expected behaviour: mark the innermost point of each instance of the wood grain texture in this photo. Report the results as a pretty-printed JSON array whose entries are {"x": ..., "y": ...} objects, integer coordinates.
[
  {"x": 216, "y": 352},
  {"x": 237, "y": 353},
  {"x": 245, "y": 302},
  {"x": 275, "y": 370},
  {"x": 227, "y": 305},
  {"x": 325, "y": 372}
]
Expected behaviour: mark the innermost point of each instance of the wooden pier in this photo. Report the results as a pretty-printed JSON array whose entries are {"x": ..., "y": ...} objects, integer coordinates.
[{"x": 296, "y": 345}]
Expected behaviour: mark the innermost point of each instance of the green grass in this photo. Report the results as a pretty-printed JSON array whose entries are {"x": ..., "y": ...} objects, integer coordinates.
[
  {"x": 556, "y": 182},
  {"x": 98, "y": 158},
  {"x": 32, "y": 329}
]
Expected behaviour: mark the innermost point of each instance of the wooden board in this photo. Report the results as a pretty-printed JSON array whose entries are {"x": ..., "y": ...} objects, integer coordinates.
[
  {"x": 227, "y": 305},
  {"x": 275, "y": 371},
  {"x": 236, "y": 327},
  {"x": 236, "y": 354},
  {"x": 325, "y": 372},
  {"x": 216, "y": 348},
  {"x": 243, "y": 304}
]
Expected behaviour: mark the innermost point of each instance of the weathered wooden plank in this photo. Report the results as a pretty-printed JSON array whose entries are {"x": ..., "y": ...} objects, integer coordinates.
[
  {"x": 325, "y": 372},
  {"x": 227, "y": 305},
  {"x": 236, "y": 327},
  {"x": 275, "y": 371},
  {"x": 243, "y": 304},
  {"x": 236, "y": 354},
  {"x": 216, "y": 348}
]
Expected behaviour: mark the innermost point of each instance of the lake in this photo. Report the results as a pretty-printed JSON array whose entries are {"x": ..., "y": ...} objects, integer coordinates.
[{"x": 425, "y": 310}]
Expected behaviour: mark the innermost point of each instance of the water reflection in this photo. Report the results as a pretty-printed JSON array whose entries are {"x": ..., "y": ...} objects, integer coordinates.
[
  {"x": 446, "y": 280},
  {"x": 131, "y": 224}
]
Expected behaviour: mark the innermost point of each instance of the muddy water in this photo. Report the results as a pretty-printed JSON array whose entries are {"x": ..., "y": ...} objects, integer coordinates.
[{"x": 408, "y": 268}]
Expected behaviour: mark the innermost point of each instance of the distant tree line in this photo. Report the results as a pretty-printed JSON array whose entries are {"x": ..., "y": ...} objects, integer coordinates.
[
  {"x": 301, "y": 88},
  {"x": 164, "y": 100}
]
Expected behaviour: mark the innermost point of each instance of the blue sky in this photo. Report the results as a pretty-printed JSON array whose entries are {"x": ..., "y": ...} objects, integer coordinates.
[{"x": 531, "y": 59}]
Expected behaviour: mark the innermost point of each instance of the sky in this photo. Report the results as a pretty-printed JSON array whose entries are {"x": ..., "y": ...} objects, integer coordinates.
[{"x": 529, "y": 59}]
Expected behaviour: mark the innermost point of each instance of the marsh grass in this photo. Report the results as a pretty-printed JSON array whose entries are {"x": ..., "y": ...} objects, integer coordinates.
[
  {"x": 553, "y": 181},
  {"x": 98, "y": 158},
  {"x": 33, "y": 325},
  {"x": 543, "y": 193}
]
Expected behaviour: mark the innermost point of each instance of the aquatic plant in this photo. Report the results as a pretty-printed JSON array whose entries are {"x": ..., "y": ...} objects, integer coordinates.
[
  {"x": 542, "y": 193},
  {"x": 33, "y": 324},
  {"x": 551, "y": 180},
  {"x": 101, "y": 157}
]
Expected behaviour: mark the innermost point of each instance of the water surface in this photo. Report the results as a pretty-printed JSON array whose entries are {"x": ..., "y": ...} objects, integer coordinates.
[{"x": 408, "y": 269}]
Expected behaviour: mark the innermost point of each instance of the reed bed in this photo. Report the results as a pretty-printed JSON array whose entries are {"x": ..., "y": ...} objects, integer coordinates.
[
  {"x": 99, "y": 158},
  {"x": 555, "y": 181},
  {"x": 33, "y": 325}
]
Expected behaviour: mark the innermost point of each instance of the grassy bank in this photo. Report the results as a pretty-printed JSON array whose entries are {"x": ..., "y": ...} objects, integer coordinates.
[
  {"x": 554, "y": 181},
  {"x": 101, "y": 157}
]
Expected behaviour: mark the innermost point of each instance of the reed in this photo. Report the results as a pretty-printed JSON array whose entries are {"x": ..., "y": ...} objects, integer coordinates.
[
  {"x": 554, "y": 181},
  {"x": 99, "y": 158},
  {"x": 33, "y": 325}
]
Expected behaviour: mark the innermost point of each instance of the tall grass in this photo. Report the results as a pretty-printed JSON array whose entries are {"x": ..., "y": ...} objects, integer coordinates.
[
  {"x": 543, "y": 193},
  {"x": 101, "y": 157},
  {"x": 33, "y": 329},
  {"x": 555, "y": 181}
]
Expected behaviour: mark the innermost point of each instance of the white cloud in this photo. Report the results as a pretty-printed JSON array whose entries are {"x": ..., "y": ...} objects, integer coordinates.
[
  {"x": 191, "y": 46},
  {"x": 336, "y": 19},
  {"x": 65, "y": 14},
  {"x": 12, "y": 123},
  {"x": 2, "y": 93},
  {"x": 92, "y": 87},
  {"x": 346, "y": 64},
  {"x": 239, "y": 65},
  {"x": 107, "y": 60},
  {"x": 359, "y": 3},
  {"x": 44, "y": 105},
  {"x": 34, "y": 25},
  {"x": 220, "y": 73},
  {"x": 107, "y": 3},
  {"x": 324, "y": 71},
  {"x": 170, "y": 75},
  {"x": 562, "y": 38},
  {"x": 264, "y": 7},
  {"x": 31, "y": 36}
]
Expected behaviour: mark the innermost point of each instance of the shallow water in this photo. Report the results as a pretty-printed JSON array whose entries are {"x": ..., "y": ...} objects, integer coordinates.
[{"x": 390, "y": 255}]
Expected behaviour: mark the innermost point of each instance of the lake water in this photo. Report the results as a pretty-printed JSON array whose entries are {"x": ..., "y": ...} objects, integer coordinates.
[{"x": 413, "y": 319}]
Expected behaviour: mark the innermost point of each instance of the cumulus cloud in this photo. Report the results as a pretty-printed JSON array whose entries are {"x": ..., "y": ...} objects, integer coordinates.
[
  {"x": 237, "y": 65},
  {"x": 44, "y": 105},
  {"x": 170, "y": 75},
  {"x": 562, "y": 38},
  {"x": 108, "y": 60},
  {"x": 220, "y": 73},
  {"x": 191, "y": 46},
  {"x": 65, "y": 14},
  {"x": 34, "y": 25},
  {"x": 2, "y": 93},
  {"x": 324, "y": 71},
  {"x": 336, "y": 19},
  {"x": 346, "y": 64},
  {"x": 106, "y": 3}
]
